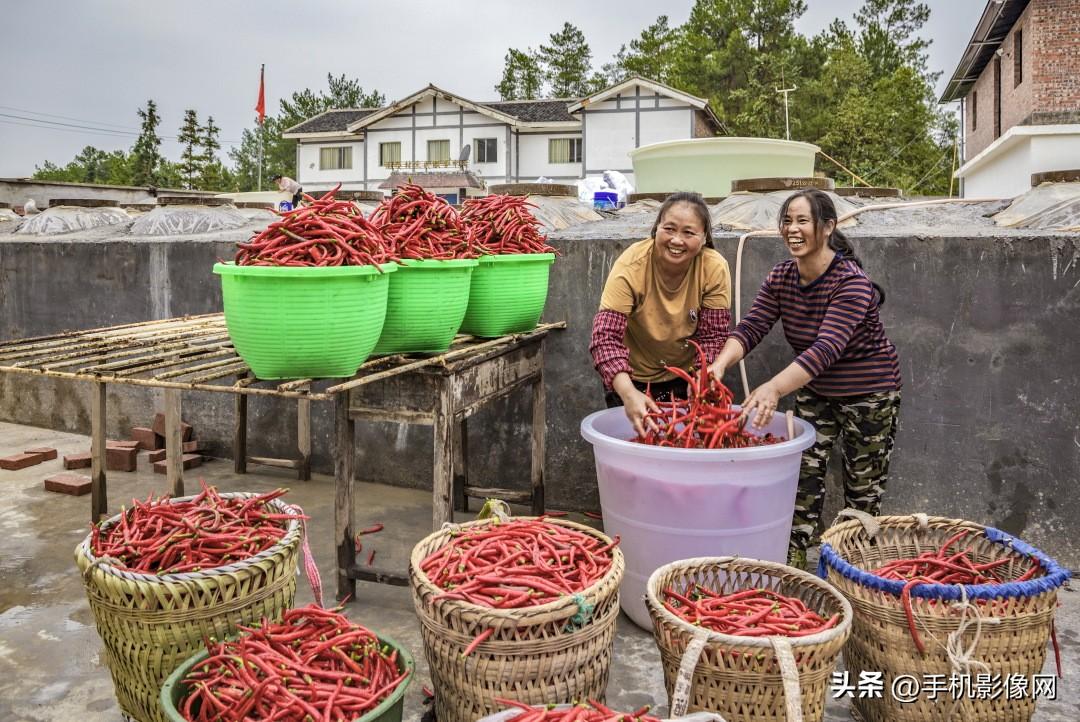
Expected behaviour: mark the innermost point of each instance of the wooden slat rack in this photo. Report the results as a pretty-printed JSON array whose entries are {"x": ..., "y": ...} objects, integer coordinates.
[{"x": 194, "y": 353}]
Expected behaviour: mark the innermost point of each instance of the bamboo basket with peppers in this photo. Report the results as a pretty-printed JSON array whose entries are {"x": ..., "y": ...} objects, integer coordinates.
[
  {"x": 151, "y": 622},
  {"x": 782, "y": 630},
  {"x": 506, "y": 633},
  {"x": 940, "y": 596}
]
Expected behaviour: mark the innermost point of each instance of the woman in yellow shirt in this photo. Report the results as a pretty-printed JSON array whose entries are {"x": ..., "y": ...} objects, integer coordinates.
[{"x": 662, "y": 292}]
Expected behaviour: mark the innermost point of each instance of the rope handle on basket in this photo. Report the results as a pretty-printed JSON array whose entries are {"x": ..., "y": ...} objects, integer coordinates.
[
  {"x": 680, "y": 695},
  {"x": 789, "y": 673},
  {"x": 311, "y": 570},
  {"x": 99, "y": 561},
  {"x": 495, "y": 509},
  {"x": 870, "y": 524}
]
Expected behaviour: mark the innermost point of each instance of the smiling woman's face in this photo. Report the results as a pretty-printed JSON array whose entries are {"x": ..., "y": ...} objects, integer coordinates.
[
  {"x": 679, "y": 237},
  {"x": 797, "y": 230}
]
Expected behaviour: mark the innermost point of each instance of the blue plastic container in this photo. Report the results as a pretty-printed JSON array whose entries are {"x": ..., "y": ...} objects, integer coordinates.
[{"x": 605, "y": 200}]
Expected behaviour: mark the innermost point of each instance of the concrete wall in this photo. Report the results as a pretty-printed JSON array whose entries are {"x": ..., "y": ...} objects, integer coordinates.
[
  {"x": 987, "y": 329},
  {"x": 17, "y": 192}
]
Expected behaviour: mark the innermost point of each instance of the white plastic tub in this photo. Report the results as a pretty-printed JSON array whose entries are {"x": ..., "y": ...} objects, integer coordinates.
[
  {"x": 670, "y": 504},
  {"x": 709, "y": 165}
]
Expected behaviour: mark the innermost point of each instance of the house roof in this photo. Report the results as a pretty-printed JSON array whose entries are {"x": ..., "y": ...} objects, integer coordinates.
[
  {"x": 701, "y": 104},
  {"x": 331, "y": 121},
  {"x": 430, "y": 91},
  {"x": 998, "y": 18},
  {"x": 453, "y": 179},
  {"x": 536, "y": 111}
]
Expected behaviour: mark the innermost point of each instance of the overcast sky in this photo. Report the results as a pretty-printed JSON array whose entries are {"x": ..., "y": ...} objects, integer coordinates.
[{"x": 83, "y": 67}]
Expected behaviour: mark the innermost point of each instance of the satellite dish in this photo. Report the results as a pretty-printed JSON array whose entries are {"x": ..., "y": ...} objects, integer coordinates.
[{"x": 465, "y": 151}]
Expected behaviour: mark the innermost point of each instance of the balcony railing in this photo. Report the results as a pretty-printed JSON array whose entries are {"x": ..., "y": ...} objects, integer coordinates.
[{"x": 427, "y": 164}]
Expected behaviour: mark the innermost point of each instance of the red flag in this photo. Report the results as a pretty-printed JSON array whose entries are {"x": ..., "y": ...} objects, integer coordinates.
[{"x": 260, "y": 106}]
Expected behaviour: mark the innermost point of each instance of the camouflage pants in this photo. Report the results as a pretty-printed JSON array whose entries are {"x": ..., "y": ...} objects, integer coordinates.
[{"x": 865, "y": 426}]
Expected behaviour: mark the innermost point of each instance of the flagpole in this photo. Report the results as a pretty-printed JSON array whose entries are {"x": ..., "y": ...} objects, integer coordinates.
[{"x": 262, "y": 75}]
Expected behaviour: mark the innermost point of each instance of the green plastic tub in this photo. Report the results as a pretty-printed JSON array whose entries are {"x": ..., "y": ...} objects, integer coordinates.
[
  {"x": 508, "y": 294},
  {"x": 426, "y": 304},
  {"x": 289, "y": 323},
  {"x": 389, "y": 710}
]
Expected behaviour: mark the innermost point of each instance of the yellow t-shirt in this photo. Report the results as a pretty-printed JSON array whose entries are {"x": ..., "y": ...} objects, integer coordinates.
[{"x": 661, "y": 319}]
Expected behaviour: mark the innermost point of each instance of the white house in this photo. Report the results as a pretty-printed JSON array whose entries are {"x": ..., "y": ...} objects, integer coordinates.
[{"x": 509, "y": 141}]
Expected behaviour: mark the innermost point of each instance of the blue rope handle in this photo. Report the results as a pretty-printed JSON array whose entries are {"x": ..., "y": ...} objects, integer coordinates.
[{"x": 1055, "y": 575}]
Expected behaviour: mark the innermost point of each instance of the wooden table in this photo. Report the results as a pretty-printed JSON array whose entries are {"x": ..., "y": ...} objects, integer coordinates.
[{"x": 194, "y": 353}]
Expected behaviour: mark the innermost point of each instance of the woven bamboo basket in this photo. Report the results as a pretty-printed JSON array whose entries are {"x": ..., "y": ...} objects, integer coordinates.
[
  {"x": 967, "y": 630},
  {"x": 758, "y": 679},
  {"x": 150, "y": 624},
  {"x": 536, "y": 655}
]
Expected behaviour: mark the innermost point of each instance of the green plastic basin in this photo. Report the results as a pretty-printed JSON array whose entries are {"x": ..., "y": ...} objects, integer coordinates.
[
  {"x": 304, "y": 322},
  {"x": 425, "y": 306},
  {"x": 389, "y": 710},
  {"x": 508, "y": 294}
]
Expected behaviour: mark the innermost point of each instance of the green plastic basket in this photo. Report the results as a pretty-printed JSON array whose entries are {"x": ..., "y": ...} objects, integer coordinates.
[
  {"x": 426, "y": 304},
  {"x": 389, "y": 710},
  {"x": 508, "y": 294},
  {"x": 304, "y": 322}
]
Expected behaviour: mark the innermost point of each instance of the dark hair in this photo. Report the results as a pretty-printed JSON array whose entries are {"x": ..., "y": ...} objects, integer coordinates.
[
  {"x": 822, "y": 210},
  {"x": 695, "y": 201},
  {"x": 275, "y": 177}
]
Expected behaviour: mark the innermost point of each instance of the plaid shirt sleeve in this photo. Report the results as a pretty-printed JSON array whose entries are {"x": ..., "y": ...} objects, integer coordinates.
[
  {"x": 713, "y": 329},
  {"x": 608, "y": 347}
]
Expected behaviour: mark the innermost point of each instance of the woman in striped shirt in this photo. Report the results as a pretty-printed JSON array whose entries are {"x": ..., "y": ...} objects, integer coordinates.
[{"x": 846, "y": 374}]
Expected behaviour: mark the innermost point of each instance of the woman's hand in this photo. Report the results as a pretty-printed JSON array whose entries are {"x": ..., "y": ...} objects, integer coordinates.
[
  {"x": 717, "y": 368},
  {"x": 637, "y": 405},
  {"x": 762, "y": 402}
]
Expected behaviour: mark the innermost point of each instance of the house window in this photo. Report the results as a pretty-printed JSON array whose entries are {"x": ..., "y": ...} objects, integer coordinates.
[
  {"x": 974, "y": 109},
  {"x": 564, "y": 150},
  {"x": 389, "y": 153},
  {"x": 487, "y": 150},
  {"x": 438, "y": 150},
  {"x": 1018, "y": 58},
  {"x": 335, "y": 158}
]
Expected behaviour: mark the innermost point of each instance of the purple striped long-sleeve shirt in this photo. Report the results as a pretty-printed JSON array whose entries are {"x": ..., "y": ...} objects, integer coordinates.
[{"x": 832, "y": 324}]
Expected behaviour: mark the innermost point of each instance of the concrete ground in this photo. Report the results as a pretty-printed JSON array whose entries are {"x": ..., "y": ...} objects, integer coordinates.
[{"x": 50, "y": 654}]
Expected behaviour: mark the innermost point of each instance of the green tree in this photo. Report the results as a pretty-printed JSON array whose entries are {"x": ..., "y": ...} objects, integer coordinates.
[
  {"x": 90, "y": 165},
  {"x": 191, "y": 155},
  {"x": 522, "y": 77},
  {"x": 147, "y": 157},
  {"x": 213, "y": 174},
  {"x": 889, "y": 36},
  {"x": 566, "y": 62},
  {"x": 650, "y": 55}
]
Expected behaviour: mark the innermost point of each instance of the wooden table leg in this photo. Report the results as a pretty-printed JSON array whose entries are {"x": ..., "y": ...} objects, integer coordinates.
[
  {"x": 539, "y": 436},
  {"x": 443, "y": 475},
  {"x": 239, "y": 447},
  {"x": 303, "y": 438},
  {"x": 344, "y": 440},
  {"x": 174, "y": 444},
  {"x": 461, "y": 464},
  {"x": 99, "y": 503}
]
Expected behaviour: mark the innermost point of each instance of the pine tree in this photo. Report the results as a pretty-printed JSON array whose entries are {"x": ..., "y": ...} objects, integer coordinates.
[
  {"x": 212, "y": 173},
  {"x": 522, "y": 77},
  {"x": 649, "y": 55},
  {"x": 146, "y": 156},
  {"x": 191, "y": 156},
  {"x": 566, "y": 62}
]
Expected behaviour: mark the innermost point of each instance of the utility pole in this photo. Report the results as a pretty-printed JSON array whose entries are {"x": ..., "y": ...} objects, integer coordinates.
[{"x": 787, "y": 124}]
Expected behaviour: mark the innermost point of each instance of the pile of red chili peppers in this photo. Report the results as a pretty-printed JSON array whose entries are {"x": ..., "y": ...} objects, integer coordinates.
[
  {"x": 517, "y": 563},
  {"x": 504, "y": 225},
  {"x": 315, "y": 665},
  {"x": 704, "y": 420},
  {"x": 592, "y": 711},
  {"x": 943, "y": 567},
  {"x": 421, "y": 225},
  {"x": 159, "y": 536},
  {"x": 747, "y": 613},
  {"x": 325, "y": 232}
]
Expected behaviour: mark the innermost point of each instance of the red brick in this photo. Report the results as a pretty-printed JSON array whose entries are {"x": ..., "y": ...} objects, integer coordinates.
[
  {"x": 186, "y": 431},
  {"x": 47, "y": 453},
  {"x": 192, "y": 447},
  {"x": 19, "y": 461},
  {"x": 121, "y": 458},
  {"x": 73, "y": 484},
  {"x": 189, "y": 461},
  {"x": 147, "y": 438},
  {"x": 77, "y": 461},
  {"x": 155, "y": 456}
]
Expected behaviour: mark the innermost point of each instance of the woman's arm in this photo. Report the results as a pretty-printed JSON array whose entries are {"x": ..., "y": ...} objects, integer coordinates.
[{"x": 612, "y": 360}]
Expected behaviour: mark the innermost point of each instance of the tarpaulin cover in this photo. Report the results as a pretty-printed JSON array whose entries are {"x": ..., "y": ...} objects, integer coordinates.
[
  {"x": 65, "y": 219},
  {"x": 1047, "y": 207}
]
